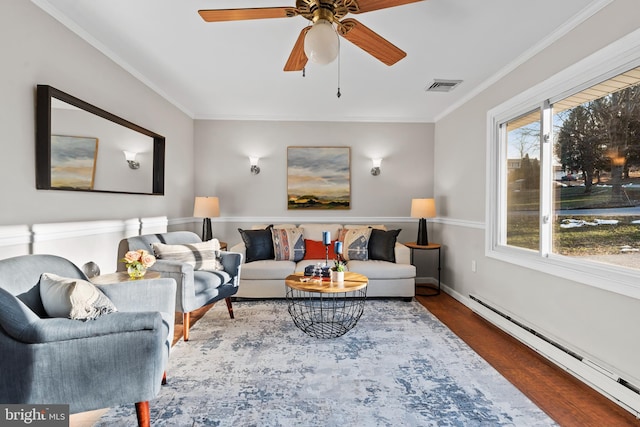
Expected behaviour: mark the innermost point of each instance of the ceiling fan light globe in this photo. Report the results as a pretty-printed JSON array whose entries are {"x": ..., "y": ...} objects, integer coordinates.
[{"x": 321, "y": 44}]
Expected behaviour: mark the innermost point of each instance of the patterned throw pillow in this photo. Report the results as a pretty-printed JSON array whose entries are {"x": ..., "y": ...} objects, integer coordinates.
[
  {"x": 202, "y": 256},
  {"x": 288, "y": 244},
  {"x": 355, "y": 243}
]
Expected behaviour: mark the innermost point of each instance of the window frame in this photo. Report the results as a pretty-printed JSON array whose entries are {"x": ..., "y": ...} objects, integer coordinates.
[{"x": 613, "y": 59}]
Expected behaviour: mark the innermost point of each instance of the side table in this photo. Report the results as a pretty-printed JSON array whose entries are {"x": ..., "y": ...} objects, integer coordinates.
[
  {"x": 430, "y": 290},
  {"x": 119, "y": 277}
]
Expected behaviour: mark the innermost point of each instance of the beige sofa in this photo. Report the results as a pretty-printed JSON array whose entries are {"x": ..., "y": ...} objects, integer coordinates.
[{"x": 265, "y": 278}]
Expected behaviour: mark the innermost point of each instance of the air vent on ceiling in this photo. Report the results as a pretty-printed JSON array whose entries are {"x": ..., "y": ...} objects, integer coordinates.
[{"x": 440, "y": 85}]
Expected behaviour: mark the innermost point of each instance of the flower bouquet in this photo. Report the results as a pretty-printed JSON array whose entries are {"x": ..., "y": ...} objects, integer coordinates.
[{"x": 137, "y": 262}]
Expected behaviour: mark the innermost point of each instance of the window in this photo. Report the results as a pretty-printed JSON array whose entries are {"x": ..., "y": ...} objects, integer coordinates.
[
  {"x": 523, "y": 181},
  {"x": 564, "y": 162},
  {"x": 596, "y": 146}
]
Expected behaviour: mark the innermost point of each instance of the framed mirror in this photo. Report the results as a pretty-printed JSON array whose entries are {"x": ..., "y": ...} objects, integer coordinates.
[{"x": 80, "y": 147}]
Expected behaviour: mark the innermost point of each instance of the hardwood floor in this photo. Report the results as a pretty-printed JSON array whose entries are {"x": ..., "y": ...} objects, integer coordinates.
[{"x": 565, "y": 399}]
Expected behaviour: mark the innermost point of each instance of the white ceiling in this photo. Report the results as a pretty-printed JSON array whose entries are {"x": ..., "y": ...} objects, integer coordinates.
[{"x": 233, "y": 70}]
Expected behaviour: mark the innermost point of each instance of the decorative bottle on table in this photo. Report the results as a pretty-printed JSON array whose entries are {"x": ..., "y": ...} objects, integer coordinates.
[
  {"x": 326, "y": 240},
  {"x": 337, "y": 271}
]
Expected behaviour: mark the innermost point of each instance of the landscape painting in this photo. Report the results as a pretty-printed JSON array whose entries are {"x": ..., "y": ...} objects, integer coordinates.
[
  {"x": 319, "y": 177},
  {"x": 73, "y": 162}
]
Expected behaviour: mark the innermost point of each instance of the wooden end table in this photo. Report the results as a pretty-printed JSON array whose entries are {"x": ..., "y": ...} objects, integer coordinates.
[
  {"x": 426, "y": 289},
  {"x": 120, "y": 277},
  {"x": 325, "y": 309}
]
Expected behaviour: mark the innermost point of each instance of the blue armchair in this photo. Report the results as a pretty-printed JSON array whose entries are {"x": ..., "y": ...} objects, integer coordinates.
[
  {"x": 196, "y": 288},
  {"x": 115, "y": 359}
]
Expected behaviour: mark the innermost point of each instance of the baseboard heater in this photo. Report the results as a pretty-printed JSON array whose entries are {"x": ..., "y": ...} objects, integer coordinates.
[{"x": 602, "y": 380}]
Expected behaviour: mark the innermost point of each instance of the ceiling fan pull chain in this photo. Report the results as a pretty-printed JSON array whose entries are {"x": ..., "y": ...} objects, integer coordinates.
[{"x": 304, "y": 71}]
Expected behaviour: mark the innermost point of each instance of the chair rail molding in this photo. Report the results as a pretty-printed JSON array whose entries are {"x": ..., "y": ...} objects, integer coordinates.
[
  {"x": 15, "y": 235},
  {"x": 66, "y": 230},
  {"x": 21, "y": 234},
  {"x": 460, "y": 223},
  {"x": 314, "y": 219}
]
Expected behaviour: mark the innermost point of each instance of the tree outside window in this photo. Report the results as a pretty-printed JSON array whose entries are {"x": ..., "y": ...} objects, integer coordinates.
[{"x": 595, "y": 187}]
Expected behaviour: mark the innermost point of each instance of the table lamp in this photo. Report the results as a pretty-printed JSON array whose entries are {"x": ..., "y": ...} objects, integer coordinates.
[
  {"x": 207, "y": 208},
  {"x": 423, "y": 208}
]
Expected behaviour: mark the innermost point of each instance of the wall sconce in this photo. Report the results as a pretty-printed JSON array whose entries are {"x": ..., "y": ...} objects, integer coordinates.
[
  {"x": 130, "y": 156},
  {"x": 375, "y": 170},
  {"x": 423, "y": 208},
  {"x": 207, "y": 208},
  {"x": 255, "y": 169}
]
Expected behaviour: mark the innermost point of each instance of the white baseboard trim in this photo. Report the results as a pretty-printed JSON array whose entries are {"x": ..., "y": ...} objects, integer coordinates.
[
  {"x": 601, "y": 380},
  {"x": 428, "y": 280}
]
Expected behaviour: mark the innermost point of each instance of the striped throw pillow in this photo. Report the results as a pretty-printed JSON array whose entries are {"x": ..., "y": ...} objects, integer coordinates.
[{"x": 202, "y": 256}]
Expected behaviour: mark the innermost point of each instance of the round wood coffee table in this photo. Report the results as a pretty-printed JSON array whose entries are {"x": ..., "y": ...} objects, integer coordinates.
[{"x": 325, "y": 309}]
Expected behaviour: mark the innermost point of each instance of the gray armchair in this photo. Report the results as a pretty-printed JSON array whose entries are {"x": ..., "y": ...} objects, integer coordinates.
[
  {"x": 196, "y": 288},
  {"x": 115, "y": 359}
]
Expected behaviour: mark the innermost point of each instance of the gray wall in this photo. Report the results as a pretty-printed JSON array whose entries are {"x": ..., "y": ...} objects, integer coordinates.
[
  {"x": 222, "y": 150},
  {"x": 596, "y": 323},
  {"x": 49, "y": 53},
  {"x": 36, "y": 49}
]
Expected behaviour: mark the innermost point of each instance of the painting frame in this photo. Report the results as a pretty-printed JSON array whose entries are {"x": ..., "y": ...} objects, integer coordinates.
[
  {"x": 318, "y": 178},
  {"x": 73, "y": 162}
]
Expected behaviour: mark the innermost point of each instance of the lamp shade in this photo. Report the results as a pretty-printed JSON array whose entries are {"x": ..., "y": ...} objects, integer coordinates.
[
  {"x": 321, "y": 44},
  {"x": 206, "y": 207},
  {"x": 423, "y": 208},
  {"x": 130, "y": 156}
]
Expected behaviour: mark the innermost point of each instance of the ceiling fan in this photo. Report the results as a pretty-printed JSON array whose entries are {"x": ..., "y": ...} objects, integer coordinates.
[{"x": 319, "y": 42}]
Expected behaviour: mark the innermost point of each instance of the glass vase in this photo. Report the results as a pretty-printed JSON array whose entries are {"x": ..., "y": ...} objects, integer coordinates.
[{"x": 136, "y": 272}]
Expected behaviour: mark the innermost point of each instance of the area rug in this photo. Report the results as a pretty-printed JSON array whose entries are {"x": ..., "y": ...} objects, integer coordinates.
[{"x": 399, "y": 366}]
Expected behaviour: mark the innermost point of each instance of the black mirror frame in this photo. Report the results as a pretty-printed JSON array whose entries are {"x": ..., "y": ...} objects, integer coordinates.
[{"x": 44, "y": 94}]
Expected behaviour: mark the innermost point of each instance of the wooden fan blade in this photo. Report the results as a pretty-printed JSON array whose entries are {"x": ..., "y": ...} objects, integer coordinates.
[
  {"x": 370, "y": 41},
  {"x": 362, "y": 6},
  {"x": 221, "y": 15},
  {"x": 297, "y": 59}
]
